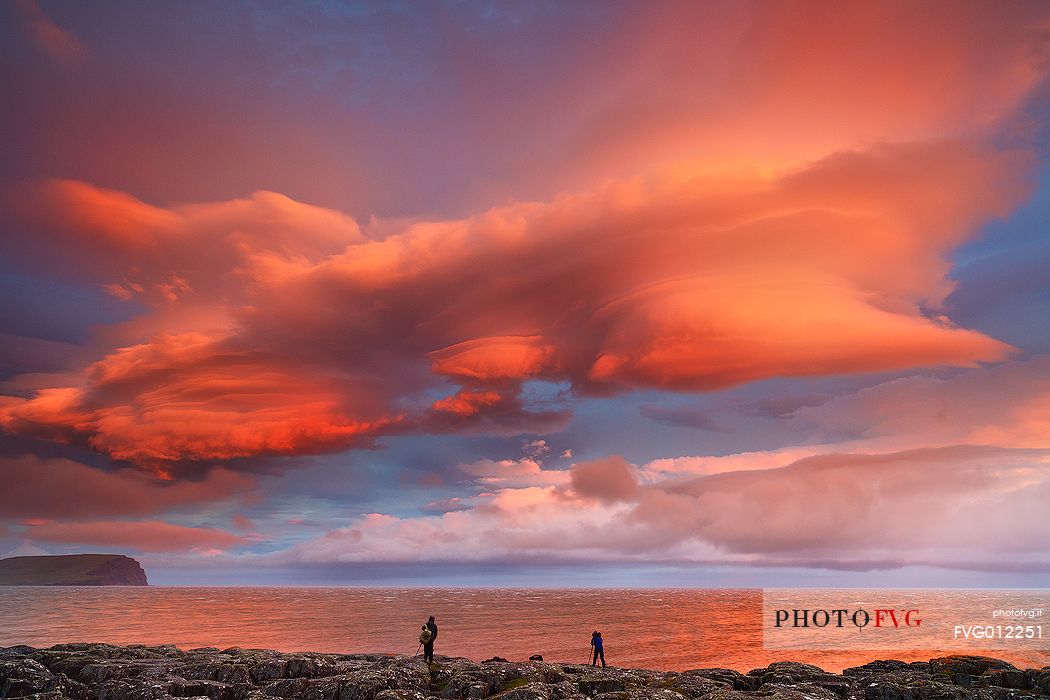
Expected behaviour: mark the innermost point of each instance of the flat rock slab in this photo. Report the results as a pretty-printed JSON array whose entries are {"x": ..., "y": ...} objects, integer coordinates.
[{"x": 106, "y": 672}]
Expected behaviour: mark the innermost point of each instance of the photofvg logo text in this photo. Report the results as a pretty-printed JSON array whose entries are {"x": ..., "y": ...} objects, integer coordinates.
[
  {"x": 901, "y": 620},
  {"x": 843, "y": 616}
]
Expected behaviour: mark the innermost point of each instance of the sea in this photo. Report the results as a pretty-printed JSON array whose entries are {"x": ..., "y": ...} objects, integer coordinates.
[{"x": 672, "y": 629}]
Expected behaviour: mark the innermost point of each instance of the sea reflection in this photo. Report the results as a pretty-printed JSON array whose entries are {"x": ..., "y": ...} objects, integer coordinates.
[{"x": 665, "y": 629}]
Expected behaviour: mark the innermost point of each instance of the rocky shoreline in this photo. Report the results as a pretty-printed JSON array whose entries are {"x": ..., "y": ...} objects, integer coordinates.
[{"x": 105, "y": 672}]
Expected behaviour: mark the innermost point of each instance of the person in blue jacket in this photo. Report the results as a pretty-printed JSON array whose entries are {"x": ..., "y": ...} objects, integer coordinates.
[{"x": 599, "y": 649}]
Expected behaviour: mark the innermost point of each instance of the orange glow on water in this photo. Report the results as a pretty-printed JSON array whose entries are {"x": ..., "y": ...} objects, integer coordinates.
[{"x": 661, "y": 629}]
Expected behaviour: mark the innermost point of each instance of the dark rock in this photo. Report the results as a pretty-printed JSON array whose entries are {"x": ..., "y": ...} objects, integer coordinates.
[
  {"x": 124, "y": 690},
  {"x": 536, "y": 657},
  {"x": 595, "y": 681},
  {"x": 964, "y": 669},
  {"x": 735, "y": 679},
  {"x": 231, "y": 673},
  {"x": 914, "y": 689},
  {"x": 529, "y": 691},
  {"x": 565, "y": 690},
  {"x": 310, "y": 667},
  {"x": 23, "y": 677},
  {"x": 1041, "y": 680},
  {"x": 211, "y": 689},
  {"x": 400, "y": 695},
  {"x": 996, "y": 693},
  {"x": 268, "y": 670},
  {"x": 87, "y": 671},
  {"x": 652, "y": 694},
  {"x": 970, "y": 665},
  {"x": 876, "y": 668},
  {"x": 805, "y": 677},
  {"x": 50, "y": 695},
  {"x": 286, "y": 688},
  {"x": 773, "y": 692},
  {"x": 693, "y": 684},
  {"x": 1005, "y": 678},
  {"x": 812, "y": 691}
]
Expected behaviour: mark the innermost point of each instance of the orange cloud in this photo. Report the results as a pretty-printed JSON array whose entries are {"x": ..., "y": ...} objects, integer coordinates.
[
  {"x": 30, "y": 491},
  {"x": 147, "y": 536},
  {"x": 159, "y": 255},
  {"x": 190, "y": 398},
  {"x": 1004, "y": 406},
  {"x": 498, "y": 410},
  {"x": 242, "y": 522},
  {"x": 314, "y": 342},
  {"x": 780, "y": 83},
  {"x": 513, "y": 474},
  {"x": 467, "y": 403},
  {"x": 934, "y": 471},
  {"x": 694, "y": 284},
  {"x": 846, "y": 511},
  {"x": 926, "y": 505},
  {"x": 492, "y": 359},
  {"x": 610, "y": 479},
  {"x": 59, "y": 44}
]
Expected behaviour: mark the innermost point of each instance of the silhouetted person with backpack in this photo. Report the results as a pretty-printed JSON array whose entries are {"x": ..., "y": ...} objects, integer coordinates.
[
  {"x": 425, "y": 636},
  {"x": 430, "y": 631},
  {"x": 599, "y": 649}
]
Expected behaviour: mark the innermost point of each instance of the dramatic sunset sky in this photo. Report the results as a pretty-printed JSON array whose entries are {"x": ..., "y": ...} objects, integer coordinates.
[{"x": 559, "y": 293}]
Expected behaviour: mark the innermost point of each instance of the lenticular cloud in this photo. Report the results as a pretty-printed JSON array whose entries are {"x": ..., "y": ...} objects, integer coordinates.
[{"x": 273, "y": 327}]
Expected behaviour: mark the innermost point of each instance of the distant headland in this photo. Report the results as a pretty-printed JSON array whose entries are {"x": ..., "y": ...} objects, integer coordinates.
[{"x": 72, "y": 570}]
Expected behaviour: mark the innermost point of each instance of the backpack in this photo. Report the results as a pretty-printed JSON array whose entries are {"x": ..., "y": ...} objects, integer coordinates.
[{"x": 425, "y": 636}]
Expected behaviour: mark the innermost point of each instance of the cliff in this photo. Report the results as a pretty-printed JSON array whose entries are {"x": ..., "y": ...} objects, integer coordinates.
[
  {"x": 87, "y": 671},
  {"x": 72, "y": 570}
]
